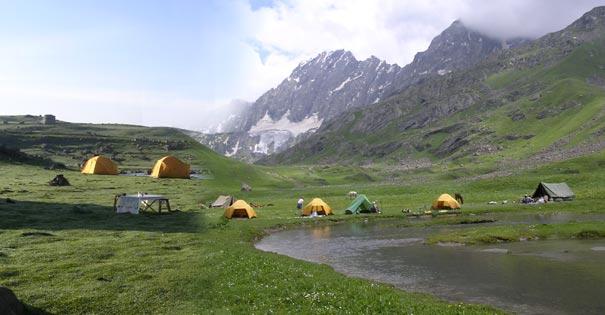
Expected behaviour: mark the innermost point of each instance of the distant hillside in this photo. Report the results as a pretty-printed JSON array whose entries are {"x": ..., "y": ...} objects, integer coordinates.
[
  {"x": 334, "y": 82},
  {"x": 539, "y": 102},
  {"x": 132, "y": 147}
]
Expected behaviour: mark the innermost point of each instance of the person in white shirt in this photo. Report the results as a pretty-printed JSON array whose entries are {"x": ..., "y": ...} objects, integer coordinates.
[{"x": 299, "y": 204}]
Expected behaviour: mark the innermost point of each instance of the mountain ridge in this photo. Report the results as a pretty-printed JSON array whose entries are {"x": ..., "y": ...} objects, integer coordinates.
[
  {"x": 334, "y": 82},
  {"x": 414, "y": 124}
]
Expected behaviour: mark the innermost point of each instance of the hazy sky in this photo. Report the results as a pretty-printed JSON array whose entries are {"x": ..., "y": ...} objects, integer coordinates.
[{"x": 179, "y": 63}]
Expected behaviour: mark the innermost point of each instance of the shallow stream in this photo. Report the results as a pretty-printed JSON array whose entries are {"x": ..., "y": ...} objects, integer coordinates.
[{"x": 531, "y": 277}]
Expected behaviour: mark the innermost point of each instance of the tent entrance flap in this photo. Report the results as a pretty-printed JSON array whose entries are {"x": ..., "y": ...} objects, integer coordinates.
[{"x": 318, "y": 206}]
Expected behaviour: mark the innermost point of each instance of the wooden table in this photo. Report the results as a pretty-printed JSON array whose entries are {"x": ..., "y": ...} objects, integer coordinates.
[{"x": 124, "y": 203}]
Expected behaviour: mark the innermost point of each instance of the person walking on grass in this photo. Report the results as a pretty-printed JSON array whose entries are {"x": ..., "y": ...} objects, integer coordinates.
[{"x": 299, "y": 204}]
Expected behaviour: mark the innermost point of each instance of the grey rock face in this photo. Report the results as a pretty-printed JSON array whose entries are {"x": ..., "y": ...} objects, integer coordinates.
[
  {"x": 335, "y": 82},
  {"x": 418, "y": 105}
]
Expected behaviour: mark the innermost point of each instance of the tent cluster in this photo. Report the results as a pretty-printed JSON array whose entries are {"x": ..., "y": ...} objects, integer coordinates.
[
  {"x": 166, "y": 167},
  {"x": 241, "y": 209},
  {"x": 361, "y": 204}
]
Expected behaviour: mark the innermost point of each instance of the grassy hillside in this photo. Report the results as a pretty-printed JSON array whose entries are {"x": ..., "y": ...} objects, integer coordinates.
[
  {"x": 134, "y": 148},
  {"x": 541, "y": 102},
  {"x": 65, "y": 251}
]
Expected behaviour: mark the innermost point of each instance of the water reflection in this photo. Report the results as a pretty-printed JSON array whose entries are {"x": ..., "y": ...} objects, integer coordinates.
[{"x": 548, "y": 277}]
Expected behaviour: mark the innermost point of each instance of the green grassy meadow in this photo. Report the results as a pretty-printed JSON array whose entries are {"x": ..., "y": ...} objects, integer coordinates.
[{"x": 63, "y": 249}]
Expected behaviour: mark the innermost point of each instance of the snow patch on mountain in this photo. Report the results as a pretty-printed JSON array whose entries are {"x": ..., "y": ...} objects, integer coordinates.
[
  {"x": 266, "y": 124},
  {"x": 342, "y": 85},
  {"x": 235, "y": 149},
  {"x": 272, "y": 141}
]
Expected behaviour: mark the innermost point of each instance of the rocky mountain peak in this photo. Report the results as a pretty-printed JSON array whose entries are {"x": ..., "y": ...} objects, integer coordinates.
[
  {"x": 327, "y": 60},
  {"x": 591, "y": 19},
  {"x": 455, "y": 48},
  {"x": 333, "y": 82}
]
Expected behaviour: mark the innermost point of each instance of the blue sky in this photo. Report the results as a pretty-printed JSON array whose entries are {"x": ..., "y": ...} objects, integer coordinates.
[
  {"x": 179, "y": 63},
  {"x": 188, "y": 51}
]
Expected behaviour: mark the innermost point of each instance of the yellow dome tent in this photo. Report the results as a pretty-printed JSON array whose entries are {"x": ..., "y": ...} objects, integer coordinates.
[
  {"x": 170, "y": 167},
  {"x": 240, "y": 209},
  {"x": 317, "y": 205},
  {"x": 100, "y": 165},
  {"x": 445, "y": 201}
]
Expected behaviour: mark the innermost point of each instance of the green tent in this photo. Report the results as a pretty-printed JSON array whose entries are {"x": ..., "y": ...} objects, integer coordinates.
[
  {"x": 360, "y": 204},
  {"x": 555, "y": 191}
]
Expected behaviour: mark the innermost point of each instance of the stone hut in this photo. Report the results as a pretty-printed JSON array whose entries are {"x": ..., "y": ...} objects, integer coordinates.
[{"x": 49, "y": 120}]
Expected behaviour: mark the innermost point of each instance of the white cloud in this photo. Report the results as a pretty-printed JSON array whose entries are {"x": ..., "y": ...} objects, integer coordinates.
[
  {"x": 291, "y": 31},
  {"x": 523, "y": 18}
]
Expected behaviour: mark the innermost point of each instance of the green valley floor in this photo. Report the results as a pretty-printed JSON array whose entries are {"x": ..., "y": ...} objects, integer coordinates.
[{"x": 64, "y": 250}]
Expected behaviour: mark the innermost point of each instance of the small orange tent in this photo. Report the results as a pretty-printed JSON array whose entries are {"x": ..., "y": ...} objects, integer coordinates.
[
  {"x": 240, "y": 209},
  {"x": 317, "y": 205},
  {"x": 100, "y": 165},
  {"x": 170, "y": 167},
  {"x": 445, "y": 201}
]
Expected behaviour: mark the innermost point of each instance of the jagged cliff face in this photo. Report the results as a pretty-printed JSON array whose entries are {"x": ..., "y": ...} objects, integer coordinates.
[
  {"x": 539, "y": 86},
  {"x": 325, "y": 86},
  {"x": 455, "y": 48},
  {"x": 335, "y": 82}
]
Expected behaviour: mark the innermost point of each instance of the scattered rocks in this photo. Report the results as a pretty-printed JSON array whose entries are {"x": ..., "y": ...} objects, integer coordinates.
[
  {"x": 516, "y": 115},
  {"x": 9, "y": 304},
  {"x": 513, "y": 137}
]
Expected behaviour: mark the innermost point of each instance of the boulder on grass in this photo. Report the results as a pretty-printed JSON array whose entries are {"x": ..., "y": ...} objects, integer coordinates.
[
  {"x": 9, "y": 304},
  {"x": 246, "y": 187},
  {"x": 59, "y": 180}
]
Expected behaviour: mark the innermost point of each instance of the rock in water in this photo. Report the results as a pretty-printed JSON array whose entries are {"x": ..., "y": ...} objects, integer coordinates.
[
  {"x": 59, "y": 180},
  {"x": 9, "y": 304}
]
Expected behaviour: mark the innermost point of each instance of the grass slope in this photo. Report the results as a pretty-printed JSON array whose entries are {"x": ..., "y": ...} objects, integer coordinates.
[
  {"x": 132, "y": 147},
  {"x": 65, "y": 251}
]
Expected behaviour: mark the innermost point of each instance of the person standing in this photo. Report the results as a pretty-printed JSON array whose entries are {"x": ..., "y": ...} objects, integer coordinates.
[{"x": 299, "y": 204}]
